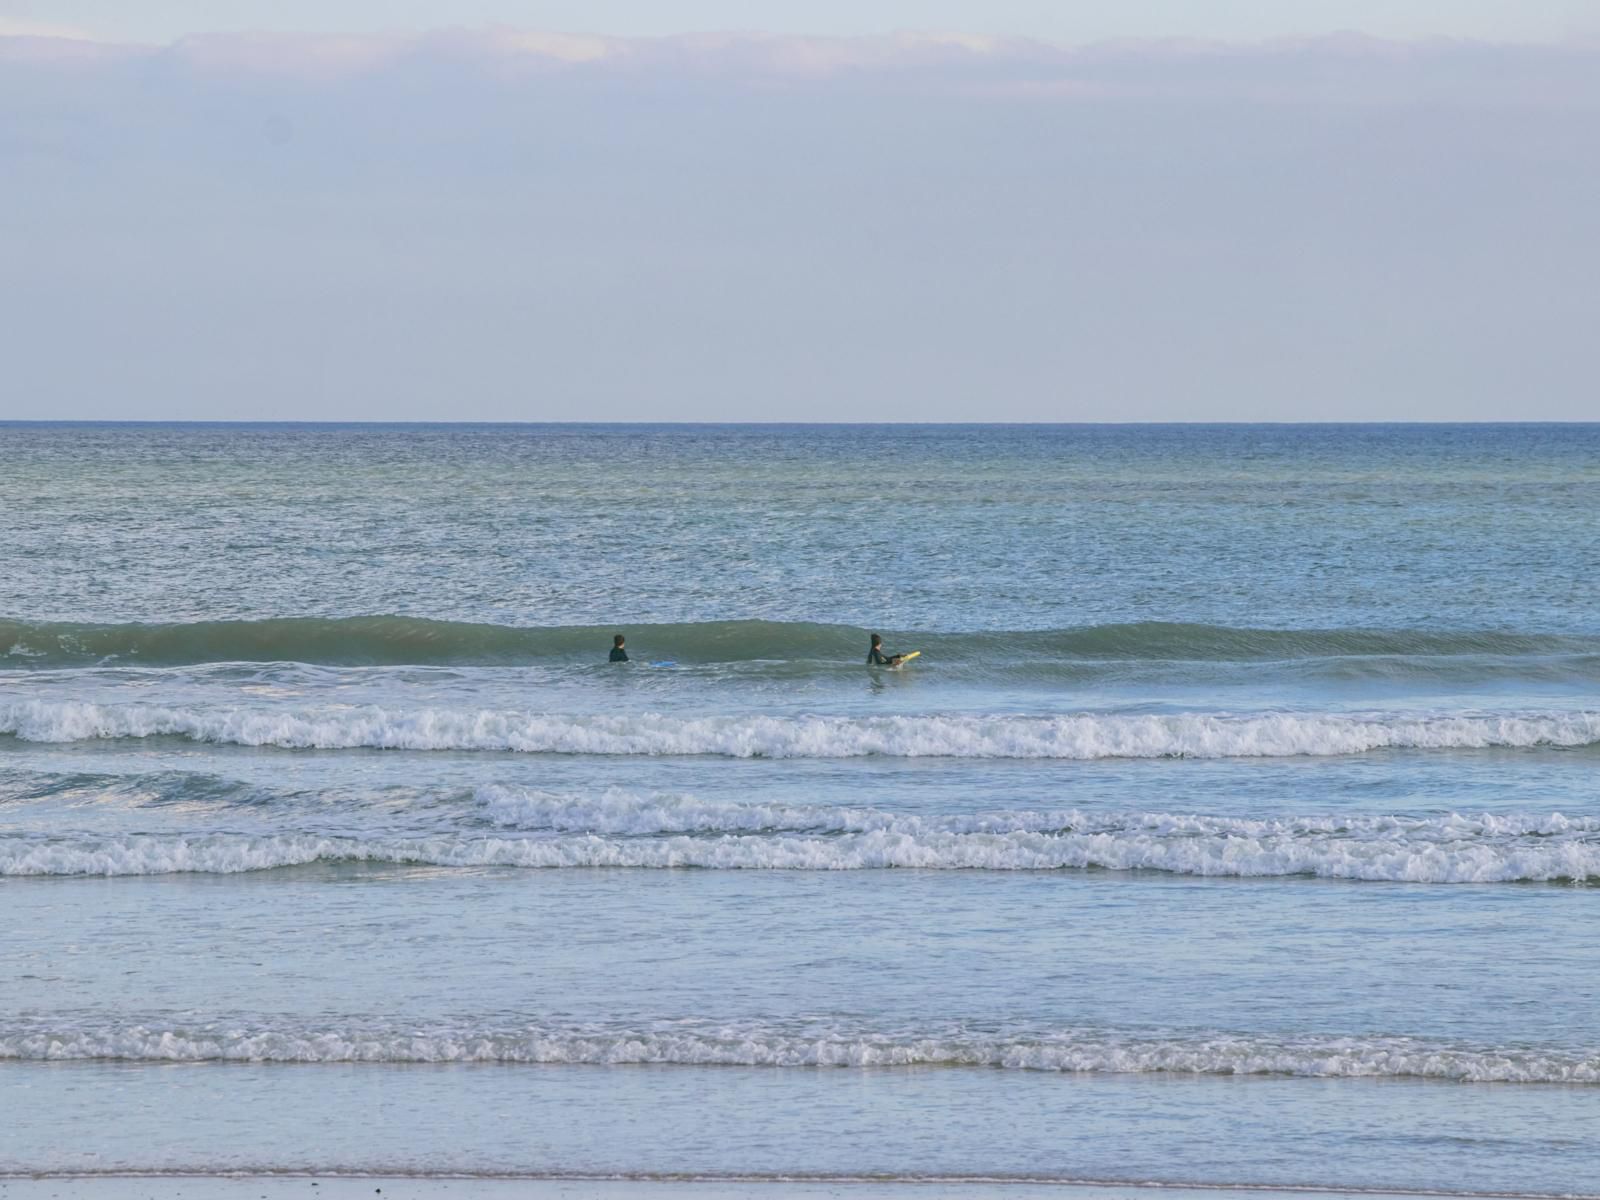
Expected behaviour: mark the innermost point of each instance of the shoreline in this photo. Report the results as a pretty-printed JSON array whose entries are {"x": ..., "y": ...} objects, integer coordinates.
[{"x": 489, "y": 1185}]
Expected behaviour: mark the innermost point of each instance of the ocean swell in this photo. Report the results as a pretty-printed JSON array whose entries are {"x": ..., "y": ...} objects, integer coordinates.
[{"x": 408, "y": 640}]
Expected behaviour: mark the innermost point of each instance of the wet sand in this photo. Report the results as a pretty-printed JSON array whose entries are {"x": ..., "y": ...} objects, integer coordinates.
[{"x": 309, "y": 1187}]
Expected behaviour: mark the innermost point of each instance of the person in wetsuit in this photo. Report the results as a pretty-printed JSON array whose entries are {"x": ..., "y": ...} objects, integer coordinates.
[
  {"x": 877, "y": 658},
  {"x": 618, "y": 654}
]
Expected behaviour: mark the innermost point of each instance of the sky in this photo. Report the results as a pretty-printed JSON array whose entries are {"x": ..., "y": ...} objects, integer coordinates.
[
  {"x": 525, "y": 210},
  {"x": 1056, "y": 20}
]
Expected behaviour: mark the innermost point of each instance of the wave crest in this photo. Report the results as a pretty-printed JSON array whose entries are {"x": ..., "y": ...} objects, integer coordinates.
[
  {"x": 650, "y": 836},
  {"x": 699, "y": 1043},
  {"x": 1073, "y": 736},
  {"x": 405, "y": 640}
]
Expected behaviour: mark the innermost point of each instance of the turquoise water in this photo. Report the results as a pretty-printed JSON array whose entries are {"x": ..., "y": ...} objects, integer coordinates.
[{"x": 1238, "y": 824}]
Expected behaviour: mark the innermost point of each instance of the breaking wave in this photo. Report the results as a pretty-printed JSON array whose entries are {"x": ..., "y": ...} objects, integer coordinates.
[
  {"x": 621, "y": 812},
  {"x": 620, "y": 830},
  {"x": 705, "y": 1043},
  {"x": 1072, "y": 736}
]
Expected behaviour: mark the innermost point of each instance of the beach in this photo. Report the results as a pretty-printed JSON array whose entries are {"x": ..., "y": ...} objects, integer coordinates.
[{"x": 326, "y": 1187}]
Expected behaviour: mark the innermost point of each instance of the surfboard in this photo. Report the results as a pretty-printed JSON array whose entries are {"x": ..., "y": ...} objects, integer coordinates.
[{"x": 905, "y": 658}]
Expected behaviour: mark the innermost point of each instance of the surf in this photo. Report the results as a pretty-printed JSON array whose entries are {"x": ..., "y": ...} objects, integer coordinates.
[
  {"x": 1073, "y": 736},
  {"x": 703, "y": 1043},
  {"x": 1453, "y": 850},
  {"x": 404, "y": 640}
]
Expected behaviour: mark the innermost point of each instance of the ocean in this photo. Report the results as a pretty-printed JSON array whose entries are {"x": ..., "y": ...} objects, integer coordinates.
[{"x": 1238, "y": 824}]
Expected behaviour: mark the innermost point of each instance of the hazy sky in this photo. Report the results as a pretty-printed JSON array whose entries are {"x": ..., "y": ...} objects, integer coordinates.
[
  {"x": 1067, "y": 20},
  {"x": 454, "y": 217}
]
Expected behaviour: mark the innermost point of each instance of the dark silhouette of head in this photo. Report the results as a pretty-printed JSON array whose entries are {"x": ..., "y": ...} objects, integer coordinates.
[
  {"x": 877, "y": 640},
  {"x": 617, "y": 641}
]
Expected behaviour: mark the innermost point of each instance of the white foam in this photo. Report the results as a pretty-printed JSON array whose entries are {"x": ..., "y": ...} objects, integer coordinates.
[
  {"x": 617, "y": 811},
  {"x": 704, "y": 1043},
  {"x": 1448, "y": 850},
  {"x": 1077, "y": 736}
]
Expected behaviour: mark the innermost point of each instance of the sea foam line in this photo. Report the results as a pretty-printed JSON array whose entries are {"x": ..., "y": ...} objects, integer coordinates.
[
  {"x": 1335, "y": 856},
  {"x": 1074, "y": 736},
  {"x": 618, "y": 811},
  {"x": 699, "y": 1043},
  {"x": 495, "y": 825}
]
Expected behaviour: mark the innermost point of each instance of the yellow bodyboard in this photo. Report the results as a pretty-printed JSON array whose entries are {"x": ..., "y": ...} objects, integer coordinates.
[{"x": 905, "y": 658}]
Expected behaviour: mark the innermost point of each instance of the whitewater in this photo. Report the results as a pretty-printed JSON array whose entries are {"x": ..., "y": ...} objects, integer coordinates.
[
  {"x": 1236, "y": 825},
  {"x": 1078, "y": 736},
  {"x": 690, "y": 1043},
  {"x": 619, "y": 830}
]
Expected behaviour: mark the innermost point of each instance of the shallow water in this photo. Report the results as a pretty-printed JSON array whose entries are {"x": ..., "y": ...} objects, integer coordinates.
[{"x": 1238, "y": 824}]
